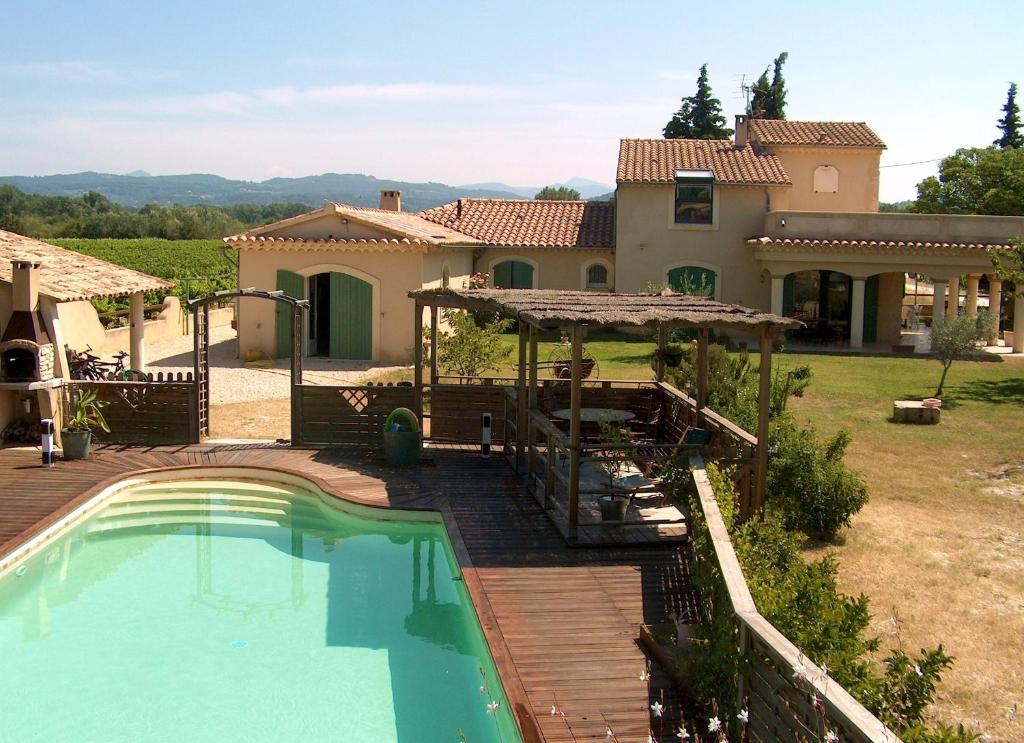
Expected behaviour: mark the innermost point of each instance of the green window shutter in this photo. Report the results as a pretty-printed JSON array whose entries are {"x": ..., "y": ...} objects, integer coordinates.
[
  {"x": 693, "y": 280},
  {"x": 871, "y": 309},
  {"x": 351, "y": 317},
  {"x": 294, "y": 286},
  {"x": 513, "y": 275},
  {"x": 503, "y": 275},
  {"x": 788, "y": 295}
]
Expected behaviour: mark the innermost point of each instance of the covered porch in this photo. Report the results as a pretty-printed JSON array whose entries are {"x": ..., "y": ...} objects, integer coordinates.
[{"x": 596, "y": 455}]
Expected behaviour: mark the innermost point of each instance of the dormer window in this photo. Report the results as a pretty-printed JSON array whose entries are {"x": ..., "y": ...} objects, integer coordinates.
[{"x": 694, "y": 196}]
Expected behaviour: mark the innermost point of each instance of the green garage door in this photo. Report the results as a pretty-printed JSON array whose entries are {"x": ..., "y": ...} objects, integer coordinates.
[
  {"x": 513, "y": 275},
  {"x": 692, "y": 280},
  {"x": 351, "y": 317},
  {"x": 294, "y": 286}
]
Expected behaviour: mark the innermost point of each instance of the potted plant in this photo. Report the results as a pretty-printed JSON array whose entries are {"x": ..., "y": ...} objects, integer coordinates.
[
  {"x": 615, "y": 503},
  {"x": 671, "y": 354},
  {"x": 86, "y": 415}
]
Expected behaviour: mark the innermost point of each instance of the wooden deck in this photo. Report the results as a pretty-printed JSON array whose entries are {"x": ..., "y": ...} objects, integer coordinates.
[{"x": 562, "y": 622}]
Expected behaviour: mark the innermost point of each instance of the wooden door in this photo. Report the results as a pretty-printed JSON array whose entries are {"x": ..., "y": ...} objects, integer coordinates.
[
  {"x": 351, "y": 317},
  {"x": 294, "y": 286}
]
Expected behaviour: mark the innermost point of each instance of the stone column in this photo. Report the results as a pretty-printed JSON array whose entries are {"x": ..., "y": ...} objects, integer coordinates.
[
  {"x": 1018, "y": 321},
  {"x": 778, "y": 288},
  {"x": 972, "y": 294},
  {"x": 953, "y": 299},
  {"x": 995, "y": 306},
  {"x": 137, "y": 331},
  {"x": 857, "y": 314},
  {"x": 938, "y": 299}
]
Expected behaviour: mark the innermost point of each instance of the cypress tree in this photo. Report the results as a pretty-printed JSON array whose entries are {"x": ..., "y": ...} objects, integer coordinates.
[
  {"x": 1009, "y": 124},
  {"x": 699, "y": 116},
  {"x": 759, "y": 99},
  {"x": 769, "y": 98}
]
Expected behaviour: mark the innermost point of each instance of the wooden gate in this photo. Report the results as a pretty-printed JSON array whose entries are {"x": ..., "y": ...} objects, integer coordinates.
[{"x": 201, "y": 371}]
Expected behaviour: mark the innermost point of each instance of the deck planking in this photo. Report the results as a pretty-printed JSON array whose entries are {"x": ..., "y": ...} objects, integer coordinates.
[{"x": 562, "y": 622}]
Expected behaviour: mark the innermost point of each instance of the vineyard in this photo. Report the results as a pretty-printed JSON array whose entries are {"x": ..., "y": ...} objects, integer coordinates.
[{"x": 196, "y": 267}]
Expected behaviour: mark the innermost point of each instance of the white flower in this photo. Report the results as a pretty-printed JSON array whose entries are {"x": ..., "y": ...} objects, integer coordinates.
[
  {"x": 986, "y": 738},
  {"x": 609, "y": 733},
  {"x": 714, "y": 725},
  {"x": 656, "y": 708},
  {"x": 831, "y": 737},
  {"x": 492, "y": 707},
  {"x": 682, "y": 734},
  {"x": 799, "y": 671},
  {"x": 824, "y": 669},
  {"x": 743, "y": 716},
  {"x": 554, "y": 710},
  {"x": 650, "y": 738},
  {"x": 644, "y": 675},
  {"x": 918, "y": 671}
]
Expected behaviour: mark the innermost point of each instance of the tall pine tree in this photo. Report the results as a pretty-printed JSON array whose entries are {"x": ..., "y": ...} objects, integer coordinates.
[
  {"x": 1009, "y": 124},
  {"x": 699, "y": 116},
  {"x": 768, "y": 100}
]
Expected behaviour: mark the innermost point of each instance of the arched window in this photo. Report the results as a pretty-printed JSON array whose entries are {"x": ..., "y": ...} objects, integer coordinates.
[
  {"x": 597, "y": 276},
  {"x": 513, "y": 275},
  {"x": 826, "y": 179}
]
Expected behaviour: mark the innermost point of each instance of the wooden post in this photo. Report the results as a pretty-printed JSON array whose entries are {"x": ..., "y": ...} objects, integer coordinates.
[
  {"x": 296, "y": 381},
  {"x": 417, "y": 378},
  {"x": 433, "y": 344},
  {"x": 531, "y": 402},
  {"x": 575, "y": 398},
  {"x": 763, "y": 408},
  {"x": 524, "y": 334},
  {"x": 659, "y": 364},
  {"x": 702, "y": 370},
  {"x": 137, "y": 331}
]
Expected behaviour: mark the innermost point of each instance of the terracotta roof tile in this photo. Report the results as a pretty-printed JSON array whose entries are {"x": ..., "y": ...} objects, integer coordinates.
[
  {"x": 65, "y": 275},
  {"x": 770, "y": 132},
  {"x": 537, "y": 224},
  {"x": 825, "y": 244},
  {"x": 656, "y": 160}
]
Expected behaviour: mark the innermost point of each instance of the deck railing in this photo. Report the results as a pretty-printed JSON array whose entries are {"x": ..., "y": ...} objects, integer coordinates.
[
  {"x": 158, "y": 411},
  {"x": 777, "y": 684}
]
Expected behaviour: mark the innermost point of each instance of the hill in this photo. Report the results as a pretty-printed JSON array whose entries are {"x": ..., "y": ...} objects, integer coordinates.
[
  {"x": 588, "y": 189},
  {"x": 138, "y": 188}
]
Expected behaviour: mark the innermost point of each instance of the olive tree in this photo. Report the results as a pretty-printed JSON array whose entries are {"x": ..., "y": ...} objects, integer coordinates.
[{"x": 956, "y": 339}]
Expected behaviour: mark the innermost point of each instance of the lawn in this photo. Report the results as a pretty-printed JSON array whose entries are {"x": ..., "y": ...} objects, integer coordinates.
[{"x": 940, "y": 544}]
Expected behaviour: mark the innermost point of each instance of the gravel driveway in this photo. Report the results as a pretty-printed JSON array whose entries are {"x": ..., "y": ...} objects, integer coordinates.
[{"x": 231, "y": 381}]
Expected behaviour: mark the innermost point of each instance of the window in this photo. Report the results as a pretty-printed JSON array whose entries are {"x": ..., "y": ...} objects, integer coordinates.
[
  {"x": 513, "y": 275},
  {"x": 826, "y": 179},
  {"x": 693, "y": 280},
  {"x": 597, "y": 276},
  {"x": 694, "y": 194}
]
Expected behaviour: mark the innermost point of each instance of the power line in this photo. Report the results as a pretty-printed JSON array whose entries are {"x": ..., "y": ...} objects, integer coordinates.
[{"x": 919, "y": 162}]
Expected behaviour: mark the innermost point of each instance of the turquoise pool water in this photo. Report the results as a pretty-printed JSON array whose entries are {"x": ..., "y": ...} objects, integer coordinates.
[{"x": 237, "y": 611}]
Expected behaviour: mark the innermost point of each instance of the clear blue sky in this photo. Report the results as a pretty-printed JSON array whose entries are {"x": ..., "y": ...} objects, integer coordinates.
[{"x": 523, "y": 92}]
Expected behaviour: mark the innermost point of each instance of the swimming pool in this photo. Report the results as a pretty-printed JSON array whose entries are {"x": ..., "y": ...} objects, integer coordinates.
[{"x": 214, "y": 610}]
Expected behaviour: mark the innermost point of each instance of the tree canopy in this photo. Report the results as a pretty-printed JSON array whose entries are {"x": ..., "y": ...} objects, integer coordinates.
[
  {"x": 769, "y": 97},
  {"x": 700, "y": 115},
  {"x": 557, "y": 193},
  {"x": 975, "y": 180},
  {"x": 1009, "y": 124}
]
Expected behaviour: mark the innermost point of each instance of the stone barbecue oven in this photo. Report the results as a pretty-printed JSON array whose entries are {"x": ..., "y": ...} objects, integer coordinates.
[{"x": 26, "y": 353}]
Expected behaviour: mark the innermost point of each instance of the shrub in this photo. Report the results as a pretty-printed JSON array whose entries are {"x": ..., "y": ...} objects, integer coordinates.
[
  {"x": 468, "y": 349},
  {"x": 808, "y": 483}
]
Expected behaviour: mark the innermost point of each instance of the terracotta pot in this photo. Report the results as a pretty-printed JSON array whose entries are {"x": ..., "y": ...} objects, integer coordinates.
[{"x": 932, "y": 402}]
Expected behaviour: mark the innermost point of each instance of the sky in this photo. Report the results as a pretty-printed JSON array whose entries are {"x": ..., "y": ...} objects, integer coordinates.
[{"x": 521, "y": 92}]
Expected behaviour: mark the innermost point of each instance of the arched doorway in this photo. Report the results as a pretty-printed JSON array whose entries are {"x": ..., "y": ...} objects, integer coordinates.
[
  {"x": 513, "y": 274},
  {"x": 340, "y": 315}
]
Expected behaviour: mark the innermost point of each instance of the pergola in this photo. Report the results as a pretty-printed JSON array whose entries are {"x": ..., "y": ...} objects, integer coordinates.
[{"x": 572, "y": 312}]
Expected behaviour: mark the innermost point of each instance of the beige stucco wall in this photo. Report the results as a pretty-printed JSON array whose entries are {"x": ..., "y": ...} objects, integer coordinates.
[
  {"x": 459, "y": 262},
  {"x": 858, "y": 178},
  {"x": 649, "y": 243},
  {"x": 391, "y": 274},
  {"x": 562, "y": 268}
]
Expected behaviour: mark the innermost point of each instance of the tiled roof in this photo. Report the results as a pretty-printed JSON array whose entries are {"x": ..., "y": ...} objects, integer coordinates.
[
  {"x": 656, "y": 160},
  {"x": 65, "y": 275},
  {"x": 364, "y": 245},
  {"x": 535, "y": 224},
  {"x": 814, "y": 133},
  {"x": 826, "y": 244},
  {"x": 402, "y": 225}
]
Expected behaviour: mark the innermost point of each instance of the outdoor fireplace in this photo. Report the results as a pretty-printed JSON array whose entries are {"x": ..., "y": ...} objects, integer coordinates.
[{"x": 26, "y": 353}]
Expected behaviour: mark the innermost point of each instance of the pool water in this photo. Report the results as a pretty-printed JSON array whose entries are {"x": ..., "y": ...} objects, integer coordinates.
[{"x": 243, "y": 611}]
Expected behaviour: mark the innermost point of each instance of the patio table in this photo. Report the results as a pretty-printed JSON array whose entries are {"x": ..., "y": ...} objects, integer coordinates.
[{"x": 596, "y": 415}]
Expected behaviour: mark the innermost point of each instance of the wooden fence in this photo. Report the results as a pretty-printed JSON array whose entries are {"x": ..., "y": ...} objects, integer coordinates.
[
  {"x": 777, "y": 683},
  {"x": 159, "y": 411},
  {"x": 351, "y": 417}
]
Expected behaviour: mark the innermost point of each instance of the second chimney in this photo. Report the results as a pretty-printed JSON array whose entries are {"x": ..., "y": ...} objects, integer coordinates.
[
  {"x": 741, "y": 130},
  {"x": 391, "y": 200},
  {"x": 24, "y": 286}
]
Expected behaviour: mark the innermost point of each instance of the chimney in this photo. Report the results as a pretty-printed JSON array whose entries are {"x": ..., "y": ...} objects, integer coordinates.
[
  {"x": 458, "y": 209},
  {"x": 391, "y": 200},
  {"x": 741, "y": 130}
]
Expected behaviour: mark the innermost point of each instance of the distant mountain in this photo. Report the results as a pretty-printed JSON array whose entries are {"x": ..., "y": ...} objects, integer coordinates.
[
  {"x": 138, "y": 174},
  {"x": 138, "y": 188},
  {"x": 588, "y": 189}
]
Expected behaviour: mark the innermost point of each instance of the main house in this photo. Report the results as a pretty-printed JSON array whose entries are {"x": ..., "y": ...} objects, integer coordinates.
[{"x": 785, "y": 217}]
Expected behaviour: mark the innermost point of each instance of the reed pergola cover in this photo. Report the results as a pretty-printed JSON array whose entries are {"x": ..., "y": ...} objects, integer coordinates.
[{"x": 551, "y": 308}]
